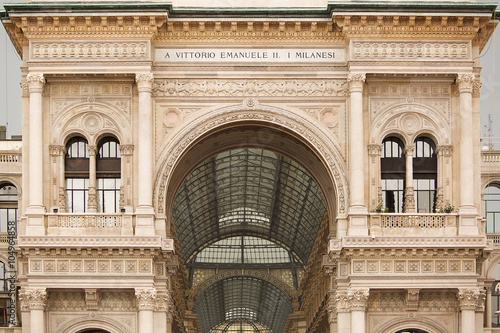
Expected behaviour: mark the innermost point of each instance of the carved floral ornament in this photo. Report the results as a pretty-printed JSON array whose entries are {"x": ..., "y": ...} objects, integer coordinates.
[
  {"x": 146, "y": 298},
  {"x": 356, "y": 81},
  {"x": 465, "y": 82},
  {"x": 468, "y": 298},
  {"x": 144, "y": 81}
]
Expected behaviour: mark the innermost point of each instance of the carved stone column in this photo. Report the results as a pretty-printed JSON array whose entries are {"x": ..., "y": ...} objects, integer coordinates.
[
  {"x": 375, "y": 172},
  {"x": 468, "y": 299},
  {"x": 358, "y": 301},
  {"x": 144, "y": 211},
  {"x": 409, "y": 196},
  {"x": 126, "y": 176},
  {"x": 343, "y": 314},
  {"x": 36, "y": 209},
  {"x": 36, "y": 300},
  {"x": 357, "y": 209},
  {"x": 146, "y": 299},
  {"x": 92, "y": 199},
  {"x": 465, "y": 84}
]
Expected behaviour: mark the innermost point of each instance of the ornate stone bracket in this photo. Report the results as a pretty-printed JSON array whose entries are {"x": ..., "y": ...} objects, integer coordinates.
[
  {"x": 412, "y": 297},
  {"x": 92, "y": 299}
]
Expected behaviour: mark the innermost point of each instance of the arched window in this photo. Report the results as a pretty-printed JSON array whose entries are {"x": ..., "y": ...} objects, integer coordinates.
[
  {"x": 108, "y": 165},
  {"x": 77, "y": 175},
  {"x": 8, "y": 206},
  {"x": 393, "y": 174},
  {"x": 424, "y": 175},
  {"x": 491, "y": 203}
]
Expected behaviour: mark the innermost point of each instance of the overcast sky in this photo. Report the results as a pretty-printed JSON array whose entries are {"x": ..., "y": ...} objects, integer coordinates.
[{"x": 10, "y": 91}]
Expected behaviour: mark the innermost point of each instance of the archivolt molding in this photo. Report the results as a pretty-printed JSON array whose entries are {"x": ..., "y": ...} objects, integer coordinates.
[
  {"x": 245, "y": 273},
  {"x": 404, "y": 322},
  {"x": 300, "y": 127},
  {"x": 92, "y": 120},
  {"x": 485, "y": 181},
  {"x": 490, "y": 264},
  {"x": 410, "y": 120},
  {"x": 94, "y": 321}
]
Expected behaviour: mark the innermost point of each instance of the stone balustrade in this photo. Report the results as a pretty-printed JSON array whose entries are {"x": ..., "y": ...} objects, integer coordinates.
[
  {"x": 411, "y": 224},
  {"x": 10, "y": 157},
  {"x": 89, "y": 224}
]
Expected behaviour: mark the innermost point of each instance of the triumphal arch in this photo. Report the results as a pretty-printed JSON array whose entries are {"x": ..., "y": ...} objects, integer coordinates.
[{"x": 251, "y": 167}]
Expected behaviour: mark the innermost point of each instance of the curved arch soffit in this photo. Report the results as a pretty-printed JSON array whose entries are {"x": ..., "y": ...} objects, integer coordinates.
[
  {"x": 410, "y": 121},
  {"x": 402, "y": 323},
  {"x": 490, "y": 181},
  {"x": 223, "y": 301},
  {"x": 199, "y": 289},
  {"x": 332, "y": 178},
  {"x": 82, "y": 323},
  {"x": 491, "y": 262},
  {"x": 92, "y": 121}
]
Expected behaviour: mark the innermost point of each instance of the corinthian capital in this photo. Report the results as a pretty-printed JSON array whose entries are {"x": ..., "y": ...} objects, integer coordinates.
[
  {"x": 468, "y": 298},
  {"x": 35, "y": 82},
  {"x": 35, "y": 298},
  {"x": 144, "y": 81},
  {"x": 146, "y": 298},
  {"x": 357, "y": 299},
  {"x": 465, "y": 82},
  {"x": 356, "y": 81}
]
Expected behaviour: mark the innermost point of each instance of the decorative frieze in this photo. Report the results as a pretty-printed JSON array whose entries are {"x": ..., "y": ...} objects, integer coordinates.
[
  {"x": 90, "y": 266},
  {"x": 90, "y": 89},
  {"x": 413, "y": 266},
  {"x": 89, "y": 221},
  {"x": 397, "y": 51},
  {"x": 253, "y": 87},
  {"x": 71, "y": 51},
  {"x": 66, "y": 301},
  {"x": 415, "y": 242}
]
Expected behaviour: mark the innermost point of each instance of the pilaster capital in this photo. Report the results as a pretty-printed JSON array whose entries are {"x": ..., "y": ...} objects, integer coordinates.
[
  {"x": 126, "y": 149},
  {"x": 357, "y": 299},
  {"x": 35, "y": 298},
  {"x": 146, "y": 298},
  {"x": 444, "y": 150},
  {"x": 57, "y": 150},
  {"x": 144, "y": 81},
  {"x": 341, "y": 302},
  {"x": 356, "y": 82},
  {"x": 465, "y": 82},
  {"x": 35, "y": 82},
  {"x": 374, "y": 150},
  {"x": 332, "y": 309},
  {"x": 468, "y": 298}
]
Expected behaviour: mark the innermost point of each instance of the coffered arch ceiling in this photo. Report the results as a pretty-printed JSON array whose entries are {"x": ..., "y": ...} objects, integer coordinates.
[{"x": 249, "y": 206}]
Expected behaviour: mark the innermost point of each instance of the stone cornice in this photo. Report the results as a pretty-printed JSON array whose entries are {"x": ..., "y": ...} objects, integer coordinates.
[
  {"x": 471, "y": 242},
  {"x": 95, "y": 241}
]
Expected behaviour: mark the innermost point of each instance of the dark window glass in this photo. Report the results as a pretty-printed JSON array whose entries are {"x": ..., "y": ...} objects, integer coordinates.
[
  {"x": 108, "y": 166},
  {"x": 424, "y": 175},
  {"x": 393, "y": 174}
]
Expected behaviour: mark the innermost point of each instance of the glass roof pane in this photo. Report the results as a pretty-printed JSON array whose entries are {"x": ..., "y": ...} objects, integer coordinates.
[{"x": 248, "y": 192}]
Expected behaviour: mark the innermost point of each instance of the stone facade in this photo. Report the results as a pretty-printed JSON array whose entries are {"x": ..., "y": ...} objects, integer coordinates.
[{"x": 324, "y": 86}]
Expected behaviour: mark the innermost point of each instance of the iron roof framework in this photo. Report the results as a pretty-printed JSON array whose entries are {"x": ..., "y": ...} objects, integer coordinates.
[{"x": 247, "y": 208}]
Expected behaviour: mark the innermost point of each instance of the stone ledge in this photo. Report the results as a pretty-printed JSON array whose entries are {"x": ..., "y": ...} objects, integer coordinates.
[{"x": 95, "y": 241}]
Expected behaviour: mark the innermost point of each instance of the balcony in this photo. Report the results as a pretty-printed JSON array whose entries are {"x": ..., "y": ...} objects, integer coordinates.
[
  {"x": 90, "y": 224},
  {"x": 411, "y": 224}
]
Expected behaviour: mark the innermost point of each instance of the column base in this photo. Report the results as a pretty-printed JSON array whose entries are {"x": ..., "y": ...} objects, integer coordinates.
[
  {"x": 35, "y": 221},
  {"x": 144, "y": 221},
  {"x": 358, "y": 221},
  {"x": 468, "y": 225}
]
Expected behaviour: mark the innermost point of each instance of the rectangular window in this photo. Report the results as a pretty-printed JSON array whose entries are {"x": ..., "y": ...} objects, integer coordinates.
[
  {"x": 6, "y": 215},
  {"x": 77, "y": 193},
  {"x": 424, "y": 192},
  {"x": 108, "y": 195},
  {"x": 392, "y": 194}
]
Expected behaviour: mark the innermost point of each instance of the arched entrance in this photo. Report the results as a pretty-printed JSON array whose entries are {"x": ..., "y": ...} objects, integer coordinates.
[{"x": 248, "y": 199}]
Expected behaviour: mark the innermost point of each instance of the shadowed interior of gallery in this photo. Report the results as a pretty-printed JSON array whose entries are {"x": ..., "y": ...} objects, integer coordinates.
[{"x": 239, "y": 213}]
